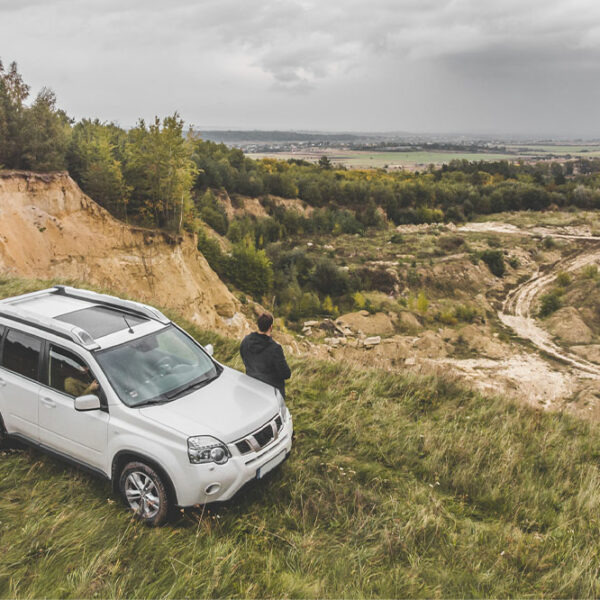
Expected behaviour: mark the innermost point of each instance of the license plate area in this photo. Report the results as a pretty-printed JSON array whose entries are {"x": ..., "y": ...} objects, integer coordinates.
[{"x": 270, "y": 465}]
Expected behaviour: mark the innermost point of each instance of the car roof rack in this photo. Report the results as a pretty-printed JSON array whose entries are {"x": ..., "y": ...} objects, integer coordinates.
[
  {"x": 130, "y": 306},
  {"x": 76, "y": 334}
]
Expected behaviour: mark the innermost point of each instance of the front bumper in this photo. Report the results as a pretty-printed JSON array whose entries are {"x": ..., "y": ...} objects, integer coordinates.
[{"x": 217, "y": 483}]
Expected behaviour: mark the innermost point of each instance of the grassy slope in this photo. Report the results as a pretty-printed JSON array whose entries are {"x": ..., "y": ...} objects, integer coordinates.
[{"x": 397, "y": 487}]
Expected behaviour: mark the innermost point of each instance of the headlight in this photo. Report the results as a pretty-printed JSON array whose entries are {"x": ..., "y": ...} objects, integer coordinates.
[
  {"x": 283, "y": 411},
  {"x": 206, "y": 449}
]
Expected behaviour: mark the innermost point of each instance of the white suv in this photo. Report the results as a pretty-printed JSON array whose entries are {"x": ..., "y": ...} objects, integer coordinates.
[{"x": 117, "y": 388}]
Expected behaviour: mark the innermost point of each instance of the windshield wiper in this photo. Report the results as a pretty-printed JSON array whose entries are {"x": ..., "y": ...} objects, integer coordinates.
[
  {"x": 157, "y": 400},
  {"x": 195, "y": 385}
]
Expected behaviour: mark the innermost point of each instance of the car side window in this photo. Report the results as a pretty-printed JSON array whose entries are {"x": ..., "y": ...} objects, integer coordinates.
[
  {"x": 68, "y": 374},
  {"x": 21, "y": 353}
]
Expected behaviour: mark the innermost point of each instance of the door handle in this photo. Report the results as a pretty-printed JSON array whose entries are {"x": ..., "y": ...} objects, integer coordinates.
[
  {"x": 2, "y": 382},
  {"x": 49, "y": 403}
]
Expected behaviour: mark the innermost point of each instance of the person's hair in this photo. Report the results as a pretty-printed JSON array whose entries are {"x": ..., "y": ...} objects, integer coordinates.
[{"x": 264, "y": 322}]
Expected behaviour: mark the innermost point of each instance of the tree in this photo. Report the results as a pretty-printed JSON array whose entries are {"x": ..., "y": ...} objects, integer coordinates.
[
  {"x": 93, "y": 165},
  {"x": 13, "y": 93},
  {"x": 250, "y": 269},
  {"x": 160, "y": 170},
  {"x": 45, "y": 135},
  {"x": 324, "y": 162}
]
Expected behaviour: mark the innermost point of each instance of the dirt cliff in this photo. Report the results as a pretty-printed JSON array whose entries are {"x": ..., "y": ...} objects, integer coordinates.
[{"x": 50, "y": 229}]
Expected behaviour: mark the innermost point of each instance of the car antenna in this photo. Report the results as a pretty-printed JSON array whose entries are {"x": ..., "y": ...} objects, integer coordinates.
[{"x": 128, "y": 325}]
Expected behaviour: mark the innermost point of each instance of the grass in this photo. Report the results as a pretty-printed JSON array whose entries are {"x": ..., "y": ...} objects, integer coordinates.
[
  {"x": 376, "y": 160},
  {"x": 397, "y": 486}
]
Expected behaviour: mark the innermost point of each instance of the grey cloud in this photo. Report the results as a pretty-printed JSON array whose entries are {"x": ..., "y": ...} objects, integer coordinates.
[{"x": 382, "y": 62}]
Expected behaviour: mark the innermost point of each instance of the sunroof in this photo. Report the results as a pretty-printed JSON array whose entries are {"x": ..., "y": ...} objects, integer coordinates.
[{"x": 99, "y": 321}]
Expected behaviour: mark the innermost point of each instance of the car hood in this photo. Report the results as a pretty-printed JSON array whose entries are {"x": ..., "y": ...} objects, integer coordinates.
[{"x": 227, "y": 408}]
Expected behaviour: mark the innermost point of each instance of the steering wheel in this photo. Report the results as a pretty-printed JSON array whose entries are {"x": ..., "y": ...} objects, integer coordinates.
[{"x": 164, "y": 365}]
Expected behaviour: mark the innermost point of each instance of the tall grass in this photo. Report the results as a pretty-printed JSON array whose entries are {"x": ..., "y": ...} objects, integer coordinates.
[{"x": 397, "y": 486}]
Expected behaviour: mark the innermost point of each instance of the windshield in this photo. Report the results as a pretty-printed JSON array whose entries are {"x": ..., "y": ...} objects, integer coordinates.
[{"x": 156, "y": 368}]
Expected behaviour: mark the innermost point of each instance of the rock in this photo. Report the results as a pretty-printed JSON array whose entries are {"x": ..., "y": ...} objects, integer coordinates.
[
  {"x": 431, "y": 345},
  {"x": 311, "y": 323},
  {"x": 410, "y": 361},
  {"x": 591, "y": 352},
  {"x": 568, "y": 326},
  {"x": 378, "y": 324},
  {"x": 409, "y": 323},
  {"x": 332, "y": 341},
  {"x": 307, "y": 330},
  {"x": 479, "y": 340},
  {"x": 372, "y": 341}
]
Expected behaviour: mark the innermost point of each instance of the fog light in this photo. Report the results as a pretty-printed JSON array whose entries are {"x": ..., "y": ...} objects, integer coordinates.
[{"x": 213, "y": 488}]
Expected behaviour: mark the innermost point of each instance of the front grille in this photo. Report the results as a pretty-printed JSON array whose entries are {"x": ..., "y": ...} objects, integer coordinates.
[
  {"x": 243, "y": 447},
  {"x": 264, "y": 436},
  {"x": 261, "y": 438}
]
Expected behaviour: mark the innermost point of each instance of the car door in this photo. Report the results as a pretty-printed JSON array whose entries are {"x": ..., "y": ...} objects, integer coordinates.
[
  {"x": 81, "y": 435},
  {"x": 19, "y": 382}
]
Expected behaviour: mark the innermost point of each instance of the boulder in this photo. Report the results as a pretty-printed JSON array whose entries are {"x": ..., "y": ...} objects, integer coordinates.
[
  {"x": 568, "y": 326},
  {"x": 378, "y": 324}
]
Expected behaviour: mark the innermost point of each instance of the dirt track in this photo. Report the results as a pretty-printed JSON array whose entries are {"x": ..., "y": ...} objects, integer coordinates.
[{"x": 532, "y": 376}]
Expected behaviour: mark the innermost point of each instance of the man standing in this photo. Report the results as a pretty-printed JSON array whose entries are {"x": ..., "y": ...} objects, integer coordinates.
[{"x": 263, "y": 356}]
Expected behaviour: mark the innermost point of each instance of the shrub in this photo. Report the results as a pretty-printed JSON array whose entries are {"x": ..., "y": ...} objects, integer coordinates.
[
  {"x": 250, "y": 269},
  {"x": 514, "y": 262},
  {"x": 422, "y": 302},
  {"x": 212, "y": 212},
  {"x": 397, "y": 238},
  {"x": 494, "y": 259},
  {"x": 328, "y": 278},
  {"x": 590, "y": 272},
  {"x": 548, "y": 243},
  {"x": 359, "y": 301},
  {"x": 211, "y": 250},
  {"x": 563, "y": 279},
  {"x": 378, "y": 279},
  {"x": 465, "y": 313},
  {"x": 549, "y": 303},
  {"x": 449, "y": 243}
]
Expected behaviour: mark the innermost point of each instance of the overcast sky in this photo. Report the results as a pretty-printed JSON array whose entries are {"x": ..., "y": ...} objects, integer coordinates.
[{"x": 474, "y": 66}]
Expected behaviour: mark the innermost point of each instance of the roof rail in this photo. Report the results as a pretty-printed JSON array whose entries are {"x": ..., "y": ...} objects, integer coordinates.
[
  {"x": 76, "y": 334},
  {"x": 128, "y": 305}
]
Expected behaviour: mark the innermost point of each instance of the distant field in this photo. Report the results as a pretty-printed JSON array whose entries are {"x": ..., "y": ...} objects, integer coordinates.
[
  {"x": 413, "y": 160},
  {"x": 573, "y": 149},
  {"x": 362, "y": 159}
]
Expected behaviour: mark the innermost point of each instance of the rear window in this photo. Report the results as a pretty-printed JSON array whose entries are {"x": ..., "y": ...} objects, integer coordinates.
[
  {"x": 99, "y": 321},
  {"x": 21, "y": 353}
]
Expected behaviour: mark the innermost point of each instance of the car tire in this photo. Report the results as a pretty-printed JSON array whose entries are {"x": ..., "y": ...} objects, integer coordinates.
[
  {"x": 3, "y": 435},
  {"x": 144, "y": 492}
]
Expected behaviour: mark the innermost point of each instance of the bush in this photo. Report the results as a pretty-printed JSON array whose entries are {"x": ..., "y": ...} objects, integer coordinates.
[
  {"x": 329, "y": 279},
  {"x": 590, "y": 272},
  {"x": 563, "y": 279},
  {"x": 494, "y": 259},
  {"x": 549, "y": 303},
  {"x": 212, "y": 212},
  {"x": 448, "y": 243},
  {"x": 465, "y": 313},
  {"x": 548, "y": 243},
  {"x": 397, "y": 238},
  {"x": 378, "y": 279},
  {"x": 211, "y": 250},
  {"x": 250, "y": 269},
  {"x": 422, "y": 302}
]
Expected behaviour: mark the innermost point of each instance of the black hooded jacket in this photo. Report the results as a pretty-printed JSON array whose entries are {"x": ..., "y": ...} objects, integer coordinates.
[{"x": 263, "y": 358}]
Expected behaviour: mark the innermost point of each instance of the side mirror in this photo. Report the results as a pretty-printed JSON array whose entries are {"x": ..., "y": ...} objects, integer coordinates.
[
  {"x": 210, "y": 349},
  {"x": 87, "y": 402}
]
